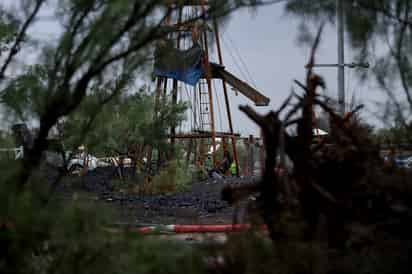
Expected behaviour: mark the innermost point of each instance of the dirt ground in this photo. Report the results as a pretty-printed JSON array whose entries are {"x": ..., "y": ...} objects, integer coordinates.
[{"x": 201, "y": 203}]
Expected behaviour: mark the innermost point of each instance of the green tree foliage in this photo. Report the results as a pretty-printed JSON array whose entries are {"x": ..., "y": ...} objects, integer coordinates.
[
  {"x": 23, "y": 97},
  {"x": 53, "y": 238},
  {"x": 78, "y": 82},
  {"x": 124, "y": 122},
  {"x": 8, "y": 25},
  {"x": 397, "y": 136},
  {"x": 103, "y": 46},
  {"x": 173, "y": 177}
]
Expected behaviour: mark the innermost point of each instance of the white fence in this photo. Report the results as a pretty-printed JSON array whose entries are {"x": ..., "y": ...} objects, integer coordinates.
[{"x": 17, "y": 152}]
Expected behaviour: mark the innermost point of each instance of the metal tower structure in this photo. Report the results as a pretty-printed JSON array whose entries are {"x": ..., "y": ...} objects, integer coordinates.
[{"x": 203, "y": 90}]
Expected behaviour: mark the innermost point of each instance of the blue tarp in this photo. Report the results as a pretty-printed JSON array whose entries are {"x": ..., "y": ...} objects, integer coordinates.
[
  {"x": 190, "y": 76},
  {"x": 182, "y": 65}
]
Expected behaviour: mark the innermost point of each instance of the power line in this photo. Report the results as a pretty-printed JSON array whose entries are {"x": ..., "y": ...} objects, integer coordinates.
[
  {"x": 237, "y": 51},
  {"x": 238, "y": 66},
  {"x": 218, "y": 106}
]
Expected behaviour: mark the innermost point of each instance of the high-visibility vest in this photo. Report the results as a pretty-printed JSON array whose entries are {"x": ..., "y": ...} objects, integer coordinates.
[{"x": 233, "y": 168}]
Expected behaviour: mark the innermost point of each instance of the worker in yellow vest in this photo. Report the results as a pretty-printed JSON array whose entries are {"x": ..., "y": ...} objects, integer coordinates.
[{"x": 233, "y": 168}]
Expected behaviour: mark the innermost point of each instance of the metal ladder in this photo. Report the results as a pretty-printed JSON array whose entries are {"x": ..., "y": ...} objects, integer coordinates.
[{"x": 204, "y": 117}]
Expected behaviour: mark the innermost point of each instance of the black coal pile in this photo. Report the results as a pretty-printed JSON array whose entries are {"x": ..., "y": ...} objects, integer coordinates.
[
  {"x": 201, "y": 202},
  {"x": 99, "y": 180}
]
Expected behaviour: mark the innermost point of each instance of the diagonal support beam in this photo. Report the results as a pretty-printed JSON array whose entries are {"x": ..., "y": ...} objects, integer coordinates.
[{"x": 244, "y": 88}]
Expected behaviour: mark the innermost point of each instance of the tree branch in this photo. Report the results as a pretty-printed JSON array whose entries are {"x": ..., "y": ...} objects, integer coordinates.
[
  {"x": 368, "y": 6},
  {"x": 253, "y": 115},
  {"x": 19, "y": 39}
]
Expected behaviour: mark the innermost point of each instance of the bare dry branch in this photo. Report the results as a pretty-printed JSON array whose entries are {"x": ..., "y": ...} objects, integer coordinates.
[
  {"x": 313, "y": 51},
  {"x": 253, "y": 115},
  {"x": 284, "y": 104},
  {"x": 301, "y": 85}
]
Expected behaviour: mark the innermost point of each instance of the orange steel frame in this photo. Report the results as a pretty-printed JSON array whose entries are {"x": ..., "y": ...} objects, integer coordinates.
[{"x": 208, "y": 76}]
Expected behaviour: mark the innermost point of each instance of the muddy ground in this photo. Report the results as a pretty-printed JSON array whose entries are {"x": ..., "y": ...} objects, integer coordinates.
[{"x": 201, "y": 203}]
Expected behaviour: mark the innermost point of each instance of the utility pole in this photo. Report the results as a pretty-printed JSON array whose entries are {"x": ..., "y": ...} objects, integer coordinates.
[{"x": 341, "y": 56}]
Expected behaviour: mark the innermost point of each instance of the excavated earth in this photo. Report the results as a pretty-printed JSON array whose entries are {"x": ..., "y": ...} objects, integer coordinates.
[{"x": 201, "y": 203}]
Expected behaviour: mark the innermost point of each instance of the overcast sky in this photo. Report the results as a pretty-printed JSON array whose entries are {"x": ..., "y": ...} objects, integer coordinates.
[{"x": 266, "y": 42}]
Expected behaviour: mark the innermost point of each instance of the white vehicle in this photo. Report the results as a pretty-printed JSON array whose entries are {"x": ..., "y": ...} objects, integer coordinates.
[
  {"x": 405, "y": 162},
  {"x": 81, "y": 161},
  {"x": 75, "y": 163}
]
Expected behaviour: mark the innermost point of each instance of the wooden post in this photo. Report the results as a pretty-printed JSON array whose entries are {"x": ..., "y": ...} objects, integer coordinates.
[
  {"x": 224, "y": 144},
  {"x": 175, "y": 86},
  {"x": 225, "y": 150},
  {"x": 202, "y": 151},
  {"x": 161, "y": 154},
  {"x": 209, "y": 88},
  {"x": 246, "y": 160},
  {"x": 251, "y": 155},
  {"x": 229, "y": 115},
  {"x": 156, "y": 109},
  {"x": 195, "y": 151},
  {"x": 189, "y": 151},
  {"x": 262, "y": 158}
]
